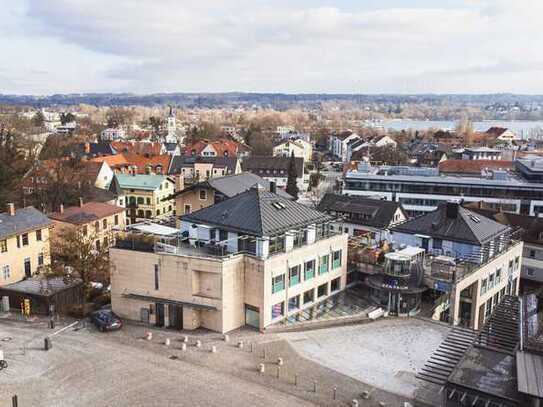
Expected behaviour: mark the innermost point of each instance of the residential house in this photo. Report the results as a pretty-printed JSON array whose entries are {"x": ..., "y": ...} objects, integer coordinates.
[
  {"x": 97, "y": 221},
  {"x": 482, "y": 153},
  {"x": 366, "y": 218},
  {"x": 471, "y": 261},
  {"x": 502, "y": 134},
  {"x": 112, "y": 134},
  {"x": 275, "y": 169},
  {"x": 146, "y": 196},
  {"x": 298, "y": 147},
  {"x": 338, "y": 144},
  {"x": 427, "y": 154},
  {"x": 254, "y": 259},
  {"x": 217, "y": 189},
  {"x": 24, "y": 243},
  {"x": 129, "y": 163},
  {"x": 196, "y": 169},
  {"x": 217, "y": 148}
]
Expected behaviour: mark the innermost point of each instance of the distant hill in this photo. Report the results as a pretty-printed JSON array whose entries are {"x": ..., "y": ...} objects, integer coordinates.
[{"x": 276, "y": 100}]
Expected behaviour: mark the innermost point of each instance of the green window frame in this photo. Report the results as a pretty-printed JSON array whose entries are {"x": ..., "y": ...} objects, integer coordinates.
[
  {"x": 294, "y": 276},
  {"x": 278, "y": 283},
  {"x": 324, "y": 264},
  {"x": 309, "y": 269},
  {"x": 336, "y": 259}
]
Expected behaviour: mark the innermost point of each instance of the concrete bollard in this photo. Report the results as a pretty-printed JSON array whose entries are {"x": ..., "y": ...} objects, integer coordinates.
[
  {"x": 226, "y": 338},
  {"x": 149, "y": 336},
  {"x": 183, "y": 346},
  {"x": 365, "y": 394},
  {"x": 52, "y": 323},
  {"x": 382, "y": 404},
  {"x": 354, "y": 403},
  {"x": 280, "y": 361},
  {"x": 261, "y": 368},
  {"x": 213, "y": 349},
  {"x": 47, "y": 344},
  {"x": 167, "y": 342},
  {"x": 314, "y": 386},
  {"x": 240, "y": 344},
  {"x": 296, "y": 379},
  {"x": 15, "y": 401},
  {"x": 198, "y": 343},
  {"x": 334, "y": 390},
  {"x": 278, "y": 371},
  {"x": 185, "y": 339}
]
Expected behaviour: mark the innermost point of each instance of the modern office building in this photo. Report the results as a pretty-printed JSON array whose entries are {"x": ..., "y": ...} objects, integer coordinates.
[
  {"x": 254, "y": 259},
  {"x": 420, "y": 190}
]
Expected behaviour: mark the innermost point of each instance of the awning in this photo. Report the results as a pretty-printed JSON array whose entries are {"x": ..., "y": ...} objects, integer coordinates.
[{"x": 168, "y": 301}]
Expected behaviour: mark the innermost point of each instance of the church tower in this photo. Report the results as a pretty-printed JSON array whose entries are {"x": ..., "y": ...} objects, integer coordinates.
[{"x": 171, "y": 137}]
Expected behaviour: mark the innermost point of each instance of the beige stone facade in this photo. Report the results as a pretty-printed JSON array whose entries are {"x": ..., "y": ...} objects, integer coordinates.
[
  {"x": 228, "y": 292},
  {"x": 193, "y": 200}
]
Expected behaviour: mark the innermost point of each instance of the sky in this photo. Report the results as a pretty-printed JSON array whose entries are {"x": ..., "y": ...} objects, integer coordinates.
[{"x": 296, "y": 46}]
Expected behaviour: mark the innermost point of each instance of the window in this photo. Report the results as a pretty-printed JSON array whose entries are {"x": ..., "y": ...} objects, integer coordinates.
[
  {"x": 532, "y": 254},
  {"x": 6, "y": 272},
  {"x": 322, "y": 290},
  {"x": 140, "y": 200},
  {"x": 278, "y": 310},
  {"x": 187, "y": 208},
  {"x": 336, "y": 259},
  {"x": 309, "y": 296},
  {"x": 278, "y": 283},
  {"x": 38, "y": 235},
  {"x": 98, "y": 245},
  {"x": 294, "y": 276},
  {"x": 104, "y": 224},
  {"x": 323, "y": 264},
  {"x": 294, "y": 303},
  {"x": 277, "y": 244},
  {"x": 18, "y": 241},
  {"x": 203, "y": 194},
  {"x": 40, "y": 259},
  {"x": 148, "y": 214},
  {"x": 438, "y": 244},
  {"x": 25, "y": 239},
  {"x": 140, "y": 213},
  {"x": 106, "y": 242},
  {"x": 300, "y": 238},
  {"x": 156, "y": 277},
  {"x": 223, "y": 235},
  {"x": 491, "y": 281},
  {"x": 309, "y": 269},
  {"x": 157, "y": 212},
  {"x": 116, "y": 220},
  {"x": 498, "y": 275},
  {"x": 120, "y": 202},
  {"x": 530, "y": 272},
  {"x": 517, "y": 262},
  {"x": 148, "y": 201},
  {"x": 3, "y": 246},
  {"x": 85, "y": 230},
  {"x": 97, "y": 226},
  {"x": 335, "y": 284},
  {"x": 483, "y": 286}
]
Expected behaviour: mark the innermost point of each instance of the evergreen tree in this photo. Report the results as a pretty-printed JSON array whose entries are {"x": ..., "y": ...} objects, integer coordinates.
[{"x": 292, "y": 186}]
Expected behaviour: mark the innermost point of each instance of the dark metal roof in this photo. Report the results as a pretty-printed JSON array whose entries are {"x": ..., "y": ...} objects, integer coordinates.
[
  {"x": 24, "y": 220},
  {"x": 379, "y": 214},
  {"x": 42, "y": 286},
  {"x": 182, "y": 161},
  {"x": 259, "y": 213},
  {"x": 466, "y": 226},
  {"x": 261, "y": 164}
]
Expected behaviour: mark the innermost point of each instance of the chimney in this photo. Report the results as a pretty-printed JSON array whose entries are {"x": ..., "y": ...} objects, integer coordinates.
[
  {"x": 61, "y": 209},
  {"x": 273, "y": 187},
  {"x": 11, "y": 209},
  {"x": 452, "y": 210},
  {"x": 80, "y": 202}
]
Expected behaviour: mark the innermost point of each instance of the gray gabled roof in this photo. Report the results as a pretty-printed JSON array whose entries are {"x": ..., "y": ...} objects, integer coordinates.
[
  {"x": 258, "y": 213},
  {"x": 380, "y": 213},
  {"x": 231, "y": 185},
  {"x": 467, "y": 226},
  {"x": 24, "y": 220}
]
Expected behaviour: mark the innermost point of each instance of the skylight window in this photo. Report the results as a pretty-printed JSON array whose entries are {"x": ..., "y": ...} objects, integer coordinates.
[
  {"x": 475, "y": 218},
  {"x": 278, "y": 205}
]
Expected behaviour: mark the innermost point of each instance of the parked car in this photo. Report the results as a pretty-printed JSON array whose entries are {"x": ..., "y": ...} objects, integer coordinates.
[{"x": 106, "y": 320}]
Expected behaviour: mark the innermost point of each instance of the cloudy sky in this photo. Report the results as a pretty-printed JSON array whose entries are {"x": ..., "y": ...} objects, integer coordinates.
[{"x": 345, "y": 46}]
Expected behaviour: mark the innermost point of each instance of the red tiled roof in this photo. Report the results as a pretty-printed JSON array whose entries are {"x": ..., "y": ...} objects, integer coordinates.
[
  {"x": 89, "y": 212},
  {"x": 135, "y": 147},
  {"x": 473, "y": 166},
  {"x": 221, "y": 146}
]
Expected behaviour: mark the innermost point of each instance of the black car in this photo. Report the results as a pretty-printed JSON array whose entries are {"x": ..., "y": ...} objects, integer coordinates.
[{"x": 106, "y": 320}]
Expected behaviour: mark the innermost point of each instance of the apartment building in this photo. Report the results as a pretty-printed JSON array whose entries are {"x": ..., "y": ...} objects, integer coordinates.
[
  {"x": 420, "y": 190},
  {"x": 196, "y": 169},
  {"x": 95, "y": 220},
  {"x": 275, "y": 169},
  {"x": 253, "y": 259},
  {"x": 471, "y": 261},
  {"x": 298, "y": 147},
  {"x": 338, "y": 144},
  {"x": 146, "y": 196},
  {"x": 24, "y": 243}
]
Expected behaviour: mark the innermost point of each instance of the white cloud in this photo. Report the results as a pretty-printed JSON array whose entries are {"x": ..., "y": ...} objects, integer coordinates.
[{"x": 212, "y": 45}]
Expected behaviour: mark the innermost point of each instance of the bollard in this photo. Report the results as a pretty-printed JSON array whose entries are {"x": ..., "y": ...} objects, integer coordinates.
[
  {"x": 365, "y": 394},
  {"x": 382, "y": 404},
  {"x": 167, "y": 342},
  {"x": 185, "y": 338},
  {"x": 296, "y": 379},
  {"x": 183, "y": 346},
  {"x": 148, "y": 336},
  {"x": 335, "y": 392},
  {"x": 278, "y": 371},
  {"x": 261, "y": 368},
  {"x": 240, "y": 344},
  {"x": 47, "y": 344},
  {"x": 354, "y": 403},
  {"x": 213, "y": 349},
  {"x": 280, "y": 361},
  {"x": 52, "y": 323},
  {"x": 198, "y": 343},
  {"x": 251, "y": 347},
  {"x": 314, "y": 386},
  {"x": 226, "y": 338},
  {"x": 264, "y": 354},
  {"x": 14, "y": 401}
]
